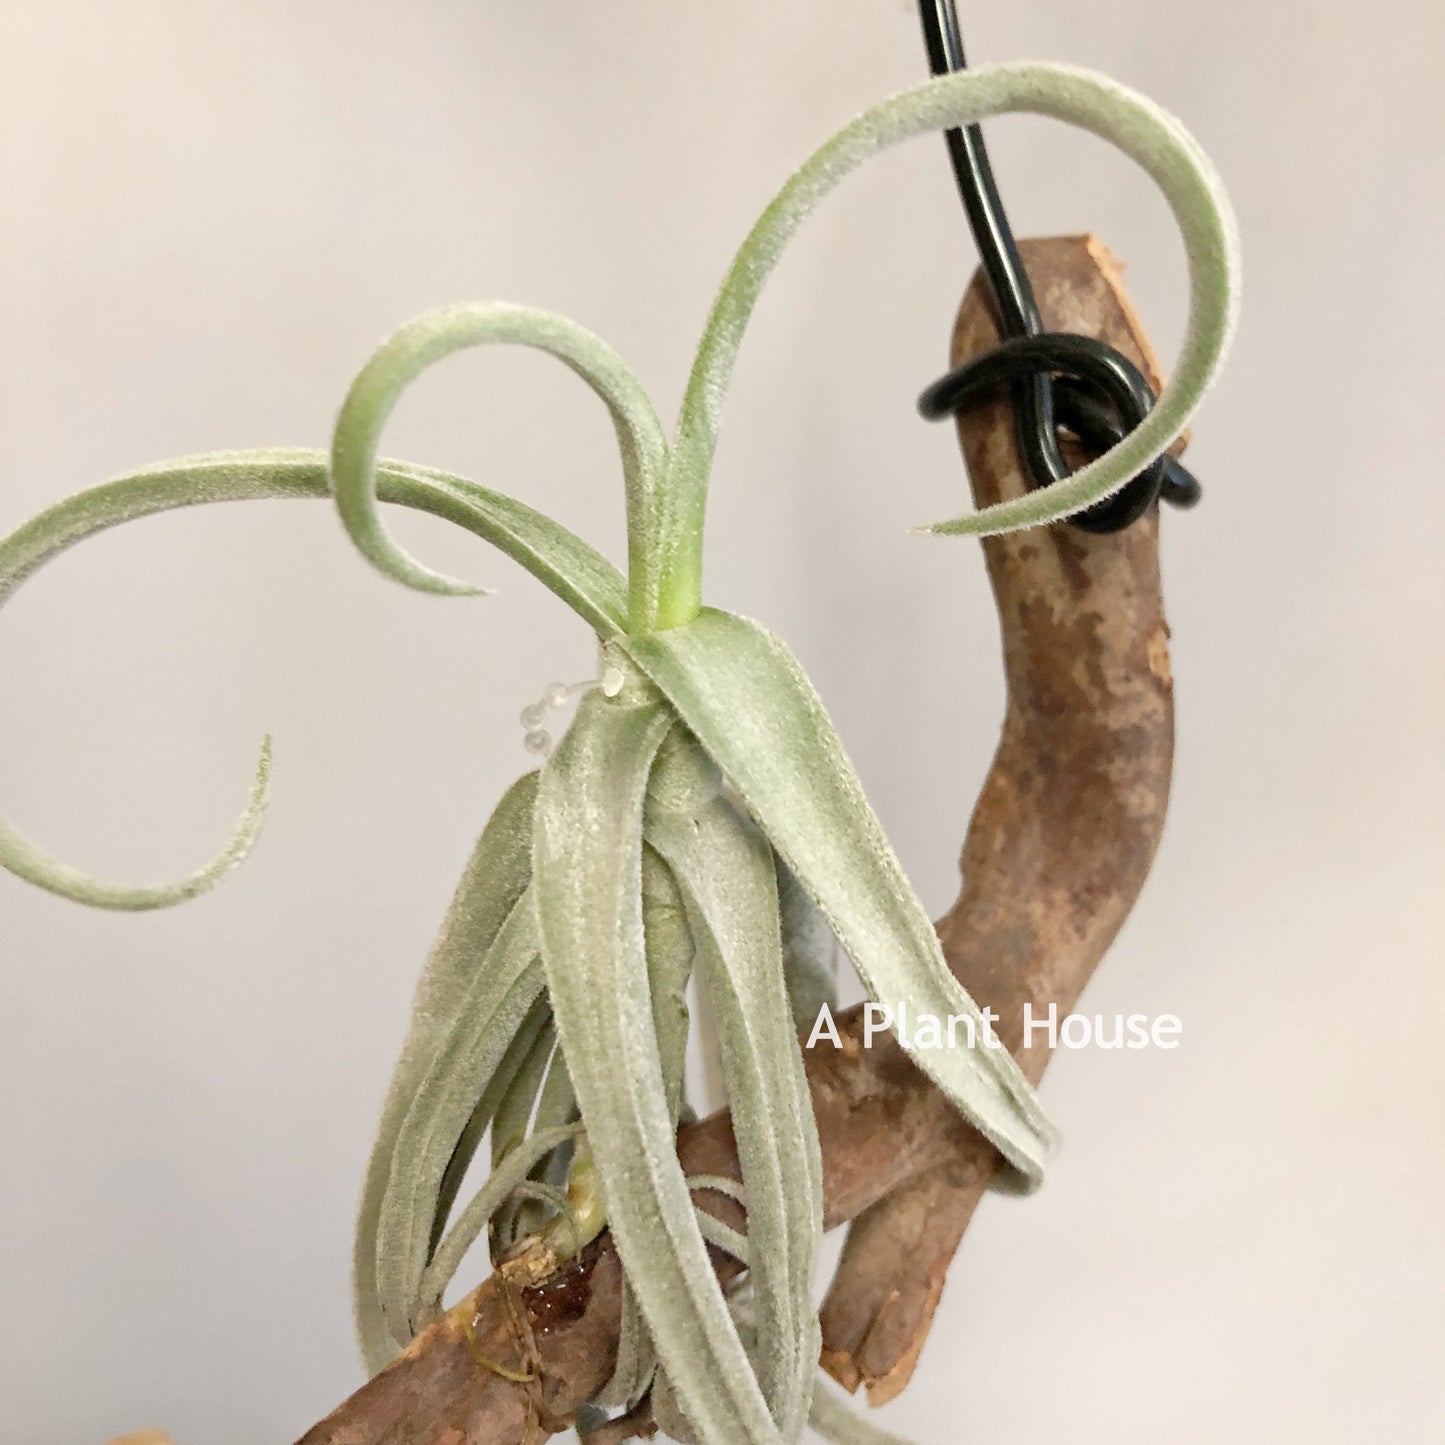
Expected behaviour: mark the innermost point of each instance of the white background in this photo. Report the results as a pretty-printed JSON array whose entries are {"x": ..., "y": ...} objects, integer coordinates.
[{"x": 212, "y": 211}]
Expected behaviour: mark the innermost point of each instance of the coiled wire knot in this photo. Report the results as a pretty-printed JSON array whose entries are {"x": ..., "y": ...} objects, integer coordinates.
[{"x": 1057, "y": 379}]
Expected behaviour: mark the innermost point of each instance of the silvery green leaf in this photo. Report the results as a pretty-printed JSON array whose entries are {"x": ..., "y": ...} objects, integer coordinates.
[
  {"x": 833, "y": 1419},
  {"x": 504, "y": 996},
  {"x": 519, "y": 1099},
  {"x": 1132, "y": 122},
  {"x": 667, "y": 1410},
  {"x": 513, "y": 1121},
  {"x": 725, "y": 872},
  {"x": 683, "y": 777},
  {"x": 585, "y": 580},
  {"x": 556, "y": 1106},
  {"x": 670, "y": 951},
  {"x": 388, "y": 1316},
  {"x": 557, "y": 1103},
  {"x": 744, "y": 696},
  {"x": 538, "y": 1018},
  {"x": 568, "y": 567},
  {"x": 719, "y": 1184},
  {"x": 440, "y": 333},
  {"x": 587, "y": 872},
  {"x": 18, "y": 855},
  {"x": 810, "y": 952},
  {"x": 725, "y": 1237},
  {"x": 636, "y": 1357},
  {"x": 496, "y": 875},
  {"x": 506, "y": 1178}
]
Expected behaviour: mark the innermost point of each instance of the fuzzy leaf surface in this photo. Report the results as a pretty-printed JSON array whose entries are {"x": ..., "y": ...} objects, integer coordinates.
[
  {"x": 430, "y": 338},
  {"x": 587, "y": 873},
  {"x": 503, "y": 995},
  {"x": 496, "y": 875},
  {"x": 746, "y": 699},
  {"x": 578, "y": 574},
  {"x": 1135, "y": 124},
  {"x": 726, "y": 873}
]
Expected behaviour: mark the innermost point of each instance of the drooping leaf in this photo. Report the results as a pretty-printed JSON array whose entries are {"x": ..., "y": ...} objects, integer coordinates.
[
  {"x": 636, "y": 1357},
  {"x": 836, "y": 1421},
  {"x": 556, "y": 1107},
  {"x": 480, "y": 1121},
  {"x": 581, "y": 577},
  {"x": 670, "y": 953},
  {"x": 744, "y": 696},
  {"x": 496, "y": 875},
  {"x": 725, "y": 871},
  {"x": 496, "y": 1027},
  {"x": 557, "y": 1103},
  {"x": 667, "y": 1410},
  {"x": 587, "y": 873},
  {"x": 519, "y": 1099}
]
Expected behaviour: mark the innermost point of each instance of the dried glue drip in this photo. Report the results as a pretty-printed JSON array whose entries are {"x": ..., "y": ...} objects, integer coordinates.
[{"x": 537, "y": 740}]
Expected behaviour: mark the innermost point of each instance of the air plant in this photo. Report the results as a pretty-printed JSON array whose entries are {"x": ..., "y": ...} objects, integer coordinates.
[{"x": 699, "y": 816}]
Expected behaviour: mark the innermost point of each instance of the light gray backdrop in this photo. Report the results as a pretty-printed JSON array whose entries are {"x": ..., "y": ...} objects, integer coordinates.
[{"x": 211, "y": 213}]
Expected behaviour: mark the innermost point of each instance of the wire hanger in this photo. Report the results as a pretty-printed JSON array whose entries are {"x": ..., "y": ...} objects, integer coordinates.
[{"x": 1058, "y": 379}]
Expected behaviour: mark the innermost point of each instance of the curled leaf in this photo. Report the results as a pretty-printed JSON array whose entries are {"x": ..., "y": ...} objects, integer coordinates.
[
  {"x": 585, "y": 580},
  {"x": 556, "y": 1107},
  {"x": 21, "y": 857},
  {"x": 1132, "y": 122},
  {"x": 719, "y": 1184},
  {"x": 438, "y": 334}
]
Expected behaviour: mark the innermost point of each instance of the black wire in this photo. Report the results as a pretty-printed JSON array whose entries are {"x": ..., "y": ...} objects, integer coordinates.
[{"x": 1056, "y": 379}]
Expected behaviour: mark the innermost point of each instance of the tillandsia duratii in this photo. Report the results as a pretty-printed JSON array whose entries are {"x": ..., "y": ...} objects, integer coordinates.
[{"x": 699, "y": 815}]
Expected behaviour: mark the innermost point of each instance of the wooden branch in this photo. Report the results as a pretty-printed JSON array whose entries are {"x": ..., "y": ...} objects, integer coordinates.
[
  {"x": 1068, "y": 821},
  {"x": 1060, "y": 841}
]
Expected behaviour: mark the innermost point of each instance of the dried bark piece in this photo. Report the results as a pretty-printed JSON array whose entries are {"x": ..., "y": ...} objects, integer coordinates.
[{"x": 1068, "y": 821}]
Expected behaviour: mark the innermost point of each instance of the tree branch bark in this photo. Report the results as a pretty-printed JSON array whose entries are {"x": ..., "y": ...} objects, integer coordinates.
[
  {"x": 1068, "y": 821},
  {"x": 1059, "y": 845}
]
